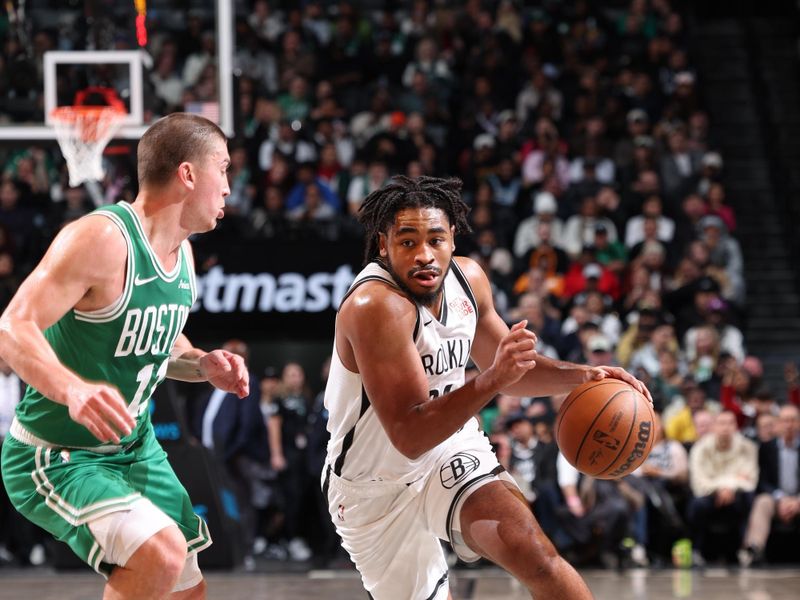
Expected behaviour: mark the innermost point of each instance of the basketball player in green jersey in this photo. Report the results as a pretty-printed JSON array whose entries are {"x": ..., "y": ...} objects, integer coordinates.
[{"x": 93, "y": 330}]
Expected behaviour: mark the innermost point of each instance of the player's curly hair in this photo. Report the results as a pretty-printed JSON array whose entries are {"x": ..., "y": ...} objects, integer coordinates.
[{"x": 379, "y": 208}]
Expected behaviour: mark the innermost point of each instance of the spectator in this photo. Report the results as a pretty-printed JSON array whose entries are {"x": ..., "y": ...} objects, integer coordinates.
[
  {"x": 522, "y": 465},
  {"x": 296, "y": 57},
  {"x": 252, "y": 58},
  {"x": 327, "y": 546},
  {"x": 547, "y": 149},
  {"x": 687, "y": 223},
  {"x": 598, "y": 310},
  {"x": 665, "y": 385},
  {"x": 731, "y": 339},
  {"x": 288, "y": 441},
  {"x": 611, "y": 254},
  {"x": 265, "y": 22},
  {"x": 313, "y": 208},
  {"x": 703, "y": 424},
  {"x": 638, "y": 124},
  {"x": 591, "y": 277},
  {"x": 766, "y": 428},
  {"x": 360, "y": 187},
  {"x": 663, "y": 479},
  {"x": 288, "y": 145},
  {"x": 711, "y": 173},
  {"x": 598, "y": 516},
  {"x": 723, "y": 473},
  {"x": 726, "y": 254},
  {"x": 495, "y": 418},
  {"x": 548, "y": 256},
  {"x": 700, "y": 294},
  {"x": 324, "y": 204},
  {"x": 197, "y": 61},
  {"x": 652, "y": 208},
  {"x": 533, "y": 307},
  {"x": 539, "y": 89},
  {"x": 243, "y": 191},
  {"x": 679, "y": 423},
  {"x": 167, "y": 84},
  {"x": 579, "y": 229},
  {"x": 778, "y": 487},
  {"x": 646, "y": 360},
  {"x": 506, "y": 191},
  {"x": 294, "y": 104},
  {"x": 599, "y": 351},
  {"x": 269, "y": 219},
  {"x": 679, "y": 167},
  {"x": 508, "y": 139},
  {"x": 234, "y": 430},
  {"x": 704, "y": 354},
  {"x": 527, "y": 237},
  {"x": 638, "y": 334}
]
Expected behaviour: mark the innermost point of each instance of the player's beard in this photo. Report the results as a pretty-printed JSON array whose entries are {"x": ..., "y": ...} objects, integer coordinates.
[{"x": 427, "y": 299}]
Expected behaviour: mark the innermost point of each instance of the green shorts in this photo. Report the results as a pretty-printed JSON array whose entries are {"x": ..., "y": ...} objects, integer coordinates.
[{"x": 62, "y": 490}]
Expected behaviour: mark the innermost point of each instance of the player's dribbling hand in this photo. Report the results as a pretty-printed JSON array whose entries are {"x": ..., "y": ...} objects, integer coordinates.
[
  {"x": 597, "y": 373},
  {"x": 515, "y": 355},
  {"x": 226, "y": 371},
  {"x": 102, "y": 410}
]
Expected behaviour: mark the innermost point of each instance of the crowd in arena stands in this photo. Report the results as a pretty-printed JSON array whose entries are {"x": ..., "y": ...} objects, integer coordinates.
[{"x": 599, "y": 214}]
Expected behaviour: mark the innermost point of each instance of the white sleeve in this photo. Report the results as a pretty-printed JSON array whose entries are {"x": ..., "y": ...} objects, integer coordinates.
[{"x": 567, "y": 474}]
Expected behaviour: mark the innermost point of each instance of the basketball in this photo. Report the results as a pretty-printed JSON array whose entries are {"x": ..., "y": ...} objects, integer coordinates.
[{"x": 605, "y": 428}]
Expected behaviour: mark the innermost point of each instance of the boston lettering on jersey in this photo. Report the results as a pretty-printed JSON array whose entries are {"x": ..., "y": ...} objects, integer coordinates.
[
  {"x": 452, "y": 354},
  {"x": 152, "y": 330}
]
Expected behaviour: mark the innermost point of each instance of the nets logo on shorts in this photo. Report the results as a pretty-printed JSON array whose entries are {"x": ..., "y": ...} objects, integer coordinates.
[{"x": 457, "y": 468}]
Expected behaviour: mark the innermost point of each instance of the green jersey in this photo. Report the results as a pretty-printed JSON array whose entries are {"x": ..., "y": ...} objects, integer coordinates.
[{"x": 126, "y": 344}]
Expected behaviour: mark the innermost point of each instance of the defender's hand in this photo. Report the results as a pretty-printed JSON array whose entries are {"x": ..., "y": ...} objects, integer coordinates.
[
  {"x": 226, "y": 371},
  {"x": 102, "y": 410}
]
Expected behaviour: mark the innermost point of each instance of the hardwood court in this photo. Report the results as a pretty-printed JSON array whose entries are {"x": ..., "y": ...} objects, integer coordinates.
[{"x": 484, "y": 584}]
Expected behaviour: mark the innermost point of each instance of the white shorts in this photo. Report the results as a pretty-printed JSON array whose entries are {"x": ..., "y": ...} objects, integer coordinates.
[
  {"x": 121, "y": 533},
  {"x": 392, "y": 530}
]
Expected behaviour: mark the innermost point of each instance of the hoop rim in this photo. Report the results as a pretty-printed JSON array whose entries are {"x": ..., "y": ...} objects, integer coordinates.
[{"x": 68, "y": 114}]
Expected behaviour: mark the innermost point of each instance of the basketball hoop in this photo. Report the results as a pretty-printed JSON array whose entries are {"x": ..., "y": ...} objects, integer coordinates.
[{"x": 83, "y": 131}]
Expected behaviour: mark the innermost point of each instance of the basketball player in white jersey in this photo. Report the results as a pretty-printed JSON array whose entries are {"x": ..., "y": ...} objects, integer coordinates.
[{"x": 407, "y": 464}]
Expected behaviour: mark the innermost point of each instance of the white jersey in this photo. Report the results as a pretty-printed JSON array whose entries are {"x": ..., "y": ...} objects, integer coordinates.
[{"x": 359, "y": 449}]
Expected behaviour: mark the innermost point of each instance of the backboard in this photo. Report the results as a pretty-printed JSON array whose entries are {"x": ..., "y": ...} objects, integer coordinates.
[{"x": 62, "y": 47}]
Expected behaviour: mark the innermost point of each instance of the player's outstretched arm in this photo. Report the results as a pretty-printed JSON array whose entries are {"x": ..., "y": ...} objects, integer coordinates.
[
  {"x": 549, "y": 377},
  {"x": 222, "y": 369},
  {"x": 78, "y": 268},
  {"x": 375, "y": 329}
]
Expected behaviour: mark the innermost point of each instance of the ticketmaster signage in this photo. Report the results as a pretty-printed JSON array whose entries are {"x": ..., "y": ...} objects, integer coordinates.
[
  {"x": 221, "y": 292},
  {"x": 265, "y": 290}
]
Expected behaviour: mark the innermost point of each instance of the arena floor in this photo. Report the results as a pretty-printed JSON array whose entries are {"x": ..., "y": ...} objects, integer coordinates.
[{"x": 482, "y": 584}]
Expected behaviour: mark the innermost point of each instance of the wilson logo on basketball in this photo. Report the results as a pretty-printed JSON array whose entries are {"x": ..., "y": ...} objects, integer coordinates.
[
  {"x": 638, "y": 450},
  {"x": 457, "y": 468}
]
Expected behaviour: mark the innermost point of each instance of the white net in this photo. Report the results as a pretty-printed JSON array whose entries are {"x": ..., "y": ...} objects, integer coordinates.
[{"x": 83, "y": 132}]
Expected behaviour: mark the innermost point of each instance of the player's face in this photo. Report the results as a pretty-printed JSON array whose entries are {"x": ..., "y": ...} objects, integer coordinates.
[
  {"x": 417, "y": 249},
  {"x": 211, "y": 188}
]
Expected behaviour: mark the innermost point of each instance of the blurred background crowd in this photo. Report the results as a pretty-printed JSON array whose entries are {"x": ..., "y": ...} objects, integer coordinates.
[{"x": 599, "y": 214}]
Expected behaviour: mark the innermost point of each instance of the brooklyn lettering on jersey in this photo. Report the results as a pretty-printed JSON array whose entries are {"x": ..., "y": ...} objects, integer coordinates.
[
  {"x": 452, "y": 354},
  {"x": 152, "y": 330}
]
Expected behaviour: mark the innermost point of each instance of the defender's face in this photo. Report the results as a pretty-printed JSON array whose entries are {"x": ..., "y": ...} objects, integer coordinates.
[
  {"x": 211, "y": 187},
  {"x": 418, "y": 248}
]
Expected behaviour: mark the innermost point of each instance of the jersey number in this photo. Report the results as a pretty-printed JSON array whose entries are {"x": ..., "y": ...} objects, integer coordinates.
[
  {"x": 435, "y": 393},
  {"x": 144, "y": 376}
]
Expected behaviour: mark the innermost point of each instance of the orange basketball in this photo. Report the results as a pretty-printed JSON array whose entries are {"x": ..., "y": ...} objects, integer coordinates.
[{"x": 605, "y": 428}]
